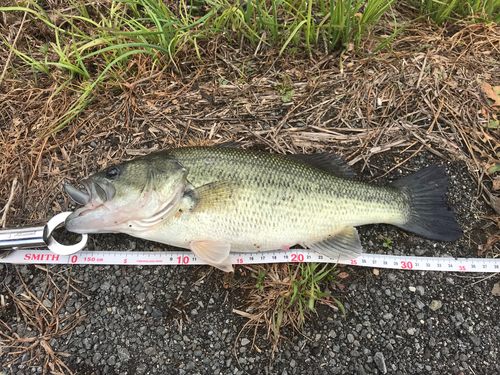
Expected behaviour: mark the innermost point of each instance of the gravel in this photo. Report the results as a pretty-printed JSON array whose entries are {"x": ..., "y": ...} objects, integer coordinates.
[{"x": 172, "y": 320}]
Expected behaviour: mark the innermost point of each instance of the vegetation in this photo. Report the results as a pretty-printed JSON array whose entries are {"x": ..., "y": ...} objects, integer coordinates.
[
  {"x": 95, "y": 46},
  {"x": 71, "y": 55},
  {"x": 286, "y": 294},
  {"x": 470, "y": 10}
]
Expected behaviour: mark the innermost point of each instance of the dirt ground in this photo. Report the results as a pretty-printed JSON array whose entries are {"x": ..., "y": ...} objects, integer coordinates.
[{"x": 418, "y": 104}]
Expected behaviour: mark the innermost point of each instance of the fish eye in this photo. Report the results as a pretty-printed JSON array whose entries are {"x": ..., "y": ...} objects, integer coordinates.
[{"x": 113, "y": 173}]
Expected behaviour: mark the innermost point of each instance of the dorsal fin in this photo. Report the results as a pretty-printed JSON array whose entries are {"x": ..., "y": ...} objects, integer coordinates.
[{"x": 331, "y": 163}]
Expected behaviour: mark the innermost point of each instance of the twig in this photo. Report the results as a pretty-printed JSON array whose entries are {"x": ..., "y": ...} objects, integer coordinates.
[
  {"x": 399, "y": 164},
  {"x": 38, "y": 160},
  {"x": 421, "y": 72},
  {"x": 441, "y": 102},
  {"x": 7, "y": 206},
  {"x": 485, "y": 278}
]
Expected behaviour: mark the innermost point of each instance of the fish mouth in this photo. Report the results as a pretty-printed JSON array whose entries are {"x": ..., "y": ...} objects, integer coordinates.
[
  {"x": 77, "y": 196},
  {"x": 91, "y": 216},
  {"x": 100, "y": 213},
  {"x": 95, "y": 192}
]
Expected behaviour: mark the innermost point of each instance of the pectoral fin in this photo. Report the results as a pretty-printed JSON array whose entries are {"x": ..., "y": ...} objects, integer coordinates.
[
  {"x": 214, "y": 253},
  {"x": 342, "y": 245},
  {"x": 216, "y": 193}
]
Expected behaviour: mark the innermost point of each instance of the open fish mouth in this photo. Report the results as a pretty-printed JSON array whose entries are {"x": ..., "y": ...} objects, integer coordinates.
[
  {"x": 101, "y": 211},
  {"x": 77, "y": 196},
  {"x": 95, "y": 192},
  {"x": 94, "y": 209}
]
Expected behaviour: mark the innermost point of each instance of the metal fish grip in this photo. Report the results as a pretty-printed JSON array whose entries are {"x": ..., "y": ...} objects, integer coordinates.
[{"x": 28, "y": 237}]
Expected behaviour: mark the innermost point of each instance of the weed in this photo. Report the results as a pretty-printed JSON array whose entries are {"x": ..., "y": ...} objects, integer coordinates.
[
  {"x": 495, "y": 168},
  {"x": 285, "y": 85},
  {"x": 258, "y": 278},
  {"x": 222, "y": 81},
  {"x": 306, "y": 287},
  {"x": 387, "y": 243},
  {"x": 127, "y": 29},
  {"x": 492, "y": 124},
  {"x": 288, "y": 96},
  {"x": 472, "y": 10},
  {"x": 286, "y": 294}
]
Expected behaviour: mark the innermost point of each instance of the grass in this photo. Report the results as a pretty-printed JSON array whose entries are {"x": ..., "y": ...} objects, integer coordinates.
[
  {"x": 471, "y": 10},
  {"x": 98, "y": 49},
  {"x": 89, "y": 54},
  {"x": 94, "y": 66},
  {"x": 286, "y": 295}
]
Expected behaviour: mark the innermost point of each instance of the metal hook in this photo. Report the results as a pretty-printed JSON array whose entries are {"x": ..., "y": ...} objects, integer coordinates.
[{"x": 55, "y": 246}]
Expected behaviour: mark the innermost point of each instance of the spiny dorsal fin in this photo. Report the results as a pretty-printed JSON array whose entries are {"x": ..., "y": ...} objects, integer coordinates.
[
  {"x": 342, "y": 245},
  {"x": 331, "y": 163}
]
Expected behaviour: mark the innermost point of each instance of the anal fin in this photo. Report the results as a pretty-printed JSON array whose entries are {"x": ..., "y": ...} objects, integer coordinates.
[
  {"x": 214, "y": 253},
  {"x": 342, "y": 245}
]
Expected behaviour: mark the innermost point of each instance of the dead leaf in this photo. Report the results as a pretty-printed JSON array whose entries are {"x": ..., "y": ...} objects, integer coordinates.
[
  {"x": 343, "y": 275},
  {"x": 65, "y": 155},
  {"x": 496, "y": 184},
  {"x": 496, "y": 290},
  {"x": 493, "y": 93},
  {"x": 495, "y": 203},
  {"x": 376, "y": 271},
  {"x": 490, "y": 241}
]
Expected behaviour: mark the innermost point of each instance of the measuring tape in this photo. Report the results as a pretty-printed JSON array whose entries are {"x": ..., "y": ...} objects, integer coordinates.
[{"x": 409, "y": 262}]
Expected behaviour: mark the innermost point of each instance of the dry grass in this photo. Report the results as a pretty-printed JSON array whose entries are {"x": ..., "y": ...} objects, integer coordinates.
[
  {"x": 424, "y": 94},
  {"x": 284, "y": 295},
  {"x": 41, "y": 316}
]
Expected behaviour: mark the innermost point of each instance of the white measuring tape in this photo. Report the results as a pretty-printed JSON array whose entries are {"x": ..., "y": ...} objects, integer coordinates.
[{"x": 409, "y": 262}]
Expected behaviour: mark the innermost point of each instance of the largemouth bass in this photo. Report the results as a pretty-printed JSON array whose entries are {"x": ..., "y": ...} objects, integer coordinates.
[{"x": 214, "y": 200}]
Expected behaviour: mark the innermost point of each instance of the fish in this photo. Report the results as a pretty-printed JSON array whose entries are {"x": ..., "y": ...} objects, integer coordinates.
[{"x": 214, "y": 200}]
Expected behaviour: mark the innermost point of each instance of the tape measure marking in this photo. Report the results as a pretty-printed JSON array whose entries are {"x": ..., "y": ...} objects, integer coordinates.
[{"x": 293, "y": 256}]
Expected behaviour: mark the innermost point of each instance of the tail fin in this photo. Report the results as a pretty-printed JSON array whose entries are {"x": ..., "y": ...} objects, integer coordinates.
[{"x": 429, "y": 216}]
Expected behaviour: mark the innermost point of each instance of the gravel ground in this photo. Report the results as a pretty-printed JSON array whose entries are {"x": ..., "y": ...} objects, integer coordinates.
[{"x": 164, "y": 320}]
